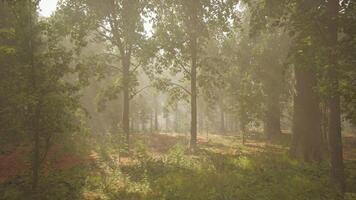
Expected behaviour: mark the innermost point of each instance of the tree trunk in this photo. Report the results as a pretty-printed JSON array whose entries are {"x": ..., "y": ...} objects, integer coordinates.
[
  {"x": 193, "y": 101},
  {"x": 35, "y": 106},
  {"x": 243, "y": 132},
  {"x": 36, "y": 150},
  {"x": 156, "y": 121},
  {"x": 335, "y": 142},
  {"x": 222, "y": 121},
  {"x": 272, "y": 82},
  {"x": 167, "y": 122},
  {"x": 201, "y": 116},
  {"x": 192, "y": 25},
  {"x": 143, "y": 122},
  {"x": 335, "y": 138},
  {"x": 151, "y": 121},
  {"x": 307, "y": 137},
  {"x": 207, "y": 125},
  {"x": 126, "y": 98},
  {"x": 176, "y": 119},
  {"x": 325, "y": 123},
  {"x": 132, "y": 124},
  {"x": 273, "y": 116}
]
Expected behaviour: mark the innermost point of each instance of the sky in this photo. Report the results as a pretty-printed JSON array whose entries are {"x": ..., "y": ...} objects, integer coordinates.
[{"x": 47, "y": 7}]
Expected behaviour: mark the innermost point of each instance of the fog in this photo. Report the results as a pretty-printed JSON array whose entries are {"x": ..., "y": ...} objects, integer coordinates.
[{"x": 177, "y": 99}]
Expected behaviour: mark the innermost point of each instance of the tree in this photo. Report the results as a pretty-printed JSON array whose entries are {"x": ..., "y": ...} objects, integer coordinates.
[
  {"x": 10, "y": 72},
  {"x": 120, "y": 24},
  {"x": 301, "y": 20},
  {"x": 271, "y": 57},
  {"x": 335, "y": 138},
  {"x": 48, "y": 102},
  {"x": 182, "y": 28}
]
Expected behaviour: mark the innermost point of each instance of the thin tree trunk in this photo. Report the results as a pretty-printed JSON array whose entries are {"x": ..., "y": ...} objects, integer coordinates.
[
  {"x": 176, "y": 119},
  {"x": 243, "y": 124},
  {"x": 335, "y": 138},
  {"x": 151, "y": 121},
  {"x": 193, "y": 131},
  {"x": 207, "y": 126},
  {"x": 35, "y": 111},
  {"x": 243, "y": 131},
  {"x": 192, "y": 12},
  {"x": 132, "y": 122},
  {"x": 273, "y": 89},
  {"x": 126, "y": 98},
  {"x": 222, "y": 121},
  {"x": 273, "y": 117},
  {"x": 167, "y": 122},
  {"x": 156, "y": 121},
  {"x": 143, "y": 122},
  {"x": 325, "y": 123},
  {"x": 36, "y": 150},
  {"x": 201, "y": 116}
]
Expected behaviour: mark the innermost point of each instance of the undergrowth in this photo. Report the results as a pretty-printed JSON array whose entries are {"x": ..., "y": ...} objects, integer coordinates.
[{"x": 179, "y": 175}]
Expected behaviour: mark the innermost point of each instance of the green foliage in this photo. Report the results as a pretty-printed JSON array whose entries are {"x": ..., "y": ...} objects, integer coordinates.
[
  {"x": 210, "y": 174},
  {"x": 175, "y": 155},
  {"x": 112, "y": 145},
  {"x": 239, "y": 65},
  {"x": 37, "y": 98}
]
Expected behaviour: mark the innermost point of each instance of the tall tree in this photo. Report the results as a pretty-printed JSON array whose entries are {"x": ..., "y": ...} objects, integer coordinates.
[
  {"x": 48, "y": 101},
  {"x": 307, "y": 136},
  {"x": 301, "y": 20},
  {"x": 120, "y": 24},
  {"x": 271, "y": 57},
  {"x": 335, "y": 139},
  {"x": 182, "y": 29}
]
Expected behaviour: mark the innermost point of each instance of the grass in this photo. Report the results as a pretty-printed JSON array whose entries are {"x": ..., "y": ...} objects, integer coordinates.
[{"x": 162, "y": 169}]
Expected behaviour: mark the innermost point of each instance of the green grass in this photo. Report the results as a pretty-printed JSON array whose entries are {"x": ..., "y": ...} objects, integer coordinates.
[{"x": 222, "y": 169}]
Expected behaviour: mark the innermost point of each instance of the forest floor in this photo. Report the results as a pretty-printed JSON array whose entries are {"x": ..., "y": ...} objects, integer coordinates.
[{"x": 161, "y": 167}]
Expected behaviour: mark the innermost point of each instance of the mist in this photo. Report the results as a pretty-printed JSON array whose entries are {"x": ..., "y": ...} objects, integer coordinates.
[{"x": 177, "y": 99}]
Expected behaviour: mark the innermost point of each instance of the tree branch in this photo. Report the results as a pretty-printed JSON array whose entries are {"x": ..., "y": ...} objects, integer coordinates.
[
  {"x": 136, "y": 67},
  {"x": 140, "y": 90},
  {"x": 109, "y": 54},
  {"x": 106, "y": 29},
  {"x": 112, "y": 40},
  {"x": 47, "y": 146},
  {"x": 184, "y": 68},
  {"x": 116, "y": 36},
  {"x": 115, "y": 68},
  {"x": 183, "y": 88}
]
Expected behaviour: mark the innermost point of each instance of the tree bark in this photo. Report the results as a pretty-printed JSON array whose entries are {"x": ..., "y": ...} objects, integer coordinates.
[
  {"x": 222, "y": 121},
  {"x": 325, "y": 123},
  {"x": 193, "y": 130},
  {"x": 243, "y": 132},
  {"x": 151, "y": 121},
  {"x": 35, "y": 106},
  {"x": 126, "y": 98},
  {"x": 156, "y": 121},
  {"x": 272, "y": 81},
  {"x": 201, "y": 115},
  {"x": 273, "y": 117},
  {"x": 335, "y": 137},
  {"x": 191, "y": 8},
  {"x": 36, "y": 148},
  {"x": 307, "y": 137}
]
